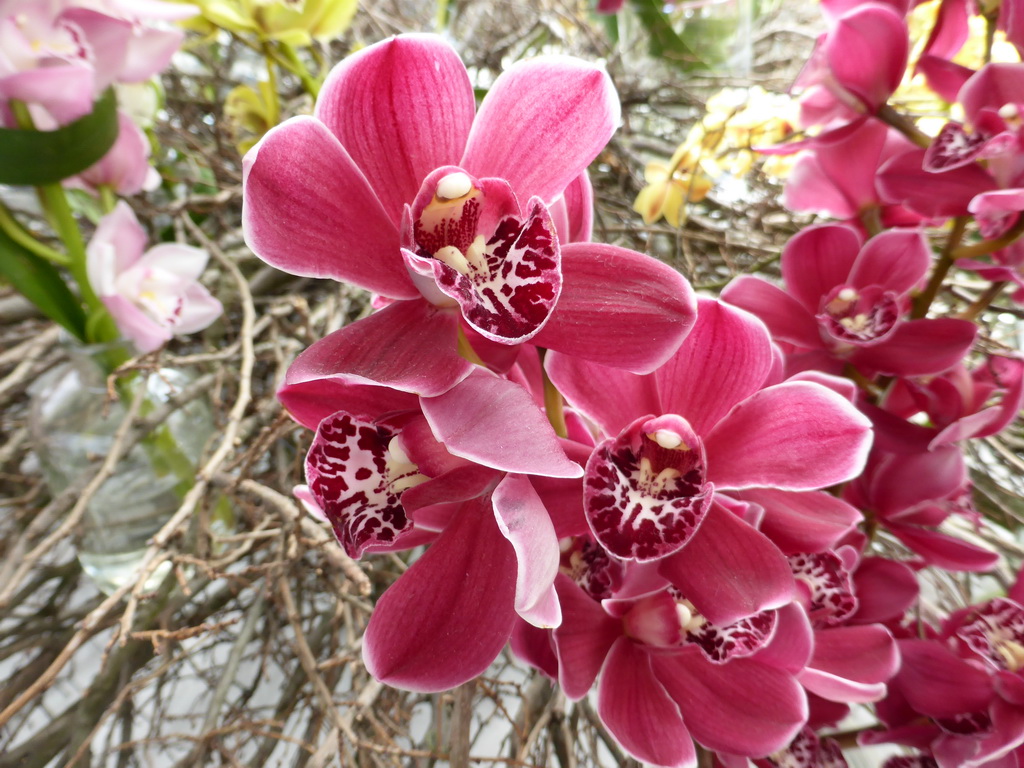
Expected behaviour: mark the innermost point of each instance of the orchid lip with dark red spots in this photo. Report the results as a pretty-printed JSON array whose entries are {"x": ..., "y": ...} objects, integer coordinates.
[
  {"x": 357, "y": 471},
  {"x": 645, "y": 491}
]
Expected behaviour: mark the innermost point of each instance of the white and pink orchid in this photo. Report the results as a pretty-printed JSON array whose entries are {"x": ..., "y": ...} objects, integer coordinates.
[{"x": 152, "y": 294}]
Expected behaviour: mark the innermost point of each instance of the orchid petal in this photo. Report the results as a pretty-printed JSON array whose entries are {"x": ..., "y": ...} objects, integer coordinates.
[
  {"x": 944, "y": 551},
  {"x": 421, "y": 355},
  {"x": 851, "y": 664},
  {"x": 401, "y": 108},
  {"x": 638, "y": 712},
  {"x": 897, "y": 260},
  {"x": 610, "y": 397},
  {"x": 523, "y": 520},
  {"x": 867, "y": 53},
  {"x": 541, "y": 124},
  {"x": 742, "y": 707},
  {"x": 885, "y": 590},
  {"x": 583, "y": 639},
  {"x": 729, "y": 571},
  {"x": 534, "y": 646},
  {"x": 786, "y": 318},
  {"x": 809, "y": 521},
  {"x": 794, "y": 436},
  {"x": 816, "y": 260},
  {"x": 618, "y": 308},
  {"x": 454, "y": 607},
  {"x": 726, "y": 358},
  {"x": 495, "y": 422},
  {"x": 937, "y": 683},
  {"x": 308, "y": 210},
  {"x": 903, "y": 179}
]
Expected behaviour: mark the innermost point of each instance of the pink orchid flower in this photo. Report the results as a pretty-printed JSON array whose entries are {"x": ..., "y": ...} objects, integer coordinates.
[
  {"x": 702, "y": 424},
  {"x": 807, "y": 750},
  {"x": 959, "y": 695},
  {"x": 151, "y": 295},
  {"x": 669, "y": 676},
  {"x": 845, "y": 302},
  {"x": 856, "y": 65},
  {"x": 397, "y": 186},
  {"x": 477, "y": 474},
  {"x": 125, "y": 168}
]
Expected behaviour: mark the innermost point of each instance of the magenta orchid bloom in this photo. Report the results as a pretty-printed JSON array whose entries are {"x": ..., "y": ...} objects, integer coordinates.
[
  {"x": 394, "y": 471},
  {"x": 396, "y": 186},
  {"x": 856, "y": 66},
  {"x": 669, "y": 676},
  {"x": 845, "y": 302},
  {"x": 152, "y": 295},
  {"x": 703, "y": 424},
  {"x": 959, "y": 696}
]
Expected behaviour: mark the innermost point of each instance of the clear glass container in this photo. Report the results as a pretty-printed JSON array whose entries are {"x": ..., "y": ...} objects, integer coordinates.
[{"x": 73, "y": 421}]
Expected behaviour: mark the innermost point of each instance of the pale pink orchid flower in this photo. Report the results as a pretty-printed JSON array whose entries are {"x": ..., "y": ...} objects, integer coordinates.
[
  {"x": 125, "y": 168},
  {"x": 58, "y": 56},
  {"x": 152, "y": 294},
  {"x": 845, "y": 302},
  {"x": 704, "y": 424},
  {"x": 398, "y": 185}
]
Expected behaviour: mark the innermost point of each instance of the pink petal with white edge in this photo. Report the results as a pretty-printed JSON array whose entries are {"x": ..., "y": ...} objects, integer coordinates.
[
  {"x": 409, "y": 346},
  {"x": 402, "y": 108},
  {"x": 583, "y": 639},
  {"x": 610, "y": 397},
  {"x": 742, "y": 707},
  {"x": 618, "y": 308},
  {"x": 448, "y": 617},
  {"x": 541, "y": 124},
  {"x": 730, "y": 571},
  {"x": 308, "y": 210},
  {"x": 851, "y": 664},
  {"x": 725, "y": 358},
  {"x": 116, "y": 245},
  {"x": 523, "y": 520},
  {"x": 197, "y": 311},
  {"x": 794, "y": 436},
  {"x": 638, "y": 712},
  {"x": 816, "y": 260},
  {"x": 786, "y": 318},
  {"x": 807, "y": 521},
  {"x": 644, "y": 492},
  {"x": 495, "y": 422},
  {"x": 897, "y": 260}
]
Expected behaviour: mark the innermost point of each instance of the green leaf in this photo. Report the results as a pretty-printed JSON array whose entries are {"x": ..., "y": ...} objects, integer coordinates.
[
  {"x": 663, "y": 41},
  {"x": 40, "y": 282},
  {"x": 35, "y": 158}
]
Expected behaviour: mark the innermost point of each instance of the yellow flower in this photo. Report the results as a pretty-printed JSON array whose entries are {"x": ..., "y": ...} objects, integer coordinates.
[
  {"x": 668, "y": 192},
  {"x": 295, "y": 22}
]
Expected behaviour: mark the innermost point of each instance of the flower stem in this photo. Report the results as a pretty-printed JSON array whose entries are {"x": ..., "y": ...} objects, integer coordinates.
[
  {"x": 275, "y": 102},
  {"x": 293, "y": 64},
  {"x": 108, "y": 199},
  {"x": 901, "y": 123},
  {"x": 554, "y": 406},
  {"x": 949, "y": 254},
  {"x": 981, "y": 303},
  {"x": 14, "y": 230},
  {"x": 985, "y": 247}
]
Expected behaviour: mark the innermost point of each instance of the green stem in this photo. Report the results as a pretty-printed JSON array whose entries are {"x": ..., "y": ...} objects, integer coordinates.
[
  {"x": 905, "y": 126},
  {"x": 13, "y": 229},
  {"x": 949, "y": 254},
  {"x": 985, "y": 247},
  {"x": 108, "y": 199},
  {"x": 294, "y": 64},
  {"x": 275, "y": 104},
  {"x": 553, "y": 404}
]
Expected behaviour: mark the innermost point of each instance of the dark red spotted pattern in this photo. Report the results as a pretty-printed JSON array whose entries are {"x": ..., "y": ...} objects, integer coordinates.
[
  {"x": 995, "y": 632},
  {"x": 588, "y": 564},
  {"x": 830, "y": 593},
  {"x": 952, "y": 148},
  {"x": 508, "y": 291},
  {"x": 644, "y": 501},
  {"x": 807, "y": 751},
  {"x": 733, "y": 641},
  {"x": 358, "y": 483}
]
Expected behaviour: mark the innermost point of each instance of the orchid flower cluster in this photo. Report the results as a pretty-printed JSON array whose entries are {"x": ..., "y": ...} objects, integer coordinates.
[
  {"x": 59, "y": 60},
  {"x": 672, "y": 500}
]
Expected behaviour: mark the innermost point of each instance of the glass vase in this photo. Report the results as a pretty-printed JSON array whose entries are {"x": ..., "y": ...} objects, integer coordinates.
[{"x": 73, "y": 421}]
